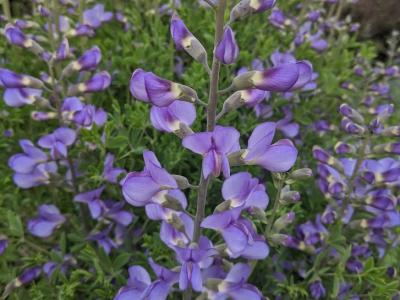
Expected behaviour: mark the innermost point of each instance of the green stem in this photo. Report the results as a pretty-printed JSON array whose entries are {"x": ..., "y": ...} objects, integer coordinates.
[
  {"x": 6, "y": 9},
  {"x": 274, "y": 208},
  {"x": 211, "y": 122}
]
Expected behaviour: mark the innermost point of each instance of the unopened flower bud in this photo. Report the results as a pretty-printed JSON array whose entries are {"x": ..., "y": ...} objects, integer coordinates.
[
  {"x": 288, "y": 196},
  {"x": 43, "y": 116},
  {"x": 344, "y": 148},
  {"x": 391, "y": 131},
  {"x": 393, "y": 148},
  {"x": 9, "y": 79},
  {"x": 259, "y": 214},
  {"x": 227, "y": 49},
  {"x": 351, "y": 127},
  {"x": 16, "y": 37},
  {"x": 63, "y": 50},
  {"x": 183, "y": 182},
  {"x": 88, "y": 61},
  {"x": 351, "y": 113},
  {"x": 322, "y": 156},
  {"x": 247, "y": 7},
  {"x": 185, "y": 40},
  {"x": 301, "y": 174},
  {"x": 284, "y": 221},
  {"x": 99, "y": 82}
]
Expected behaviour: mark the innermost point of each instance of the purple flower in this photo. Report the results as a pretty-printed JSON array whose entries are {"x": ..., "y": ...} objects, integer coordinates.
[
  {"x": 150, "y": 185},
  {"x": 40, "y": 175},
  {"x": 278, "y": 19},
  {"x": 234, "y": 285},
  {"x": 317, "y": 290},
  {"x": 148, "y": 87},
  {"x": 193, "y": 259},
  {"x": 58, "y": 141},
  {"x": 215, "y": 147},
  {"x": 89, "y": 60},
  {"x": 90, "y": 115},
  {"x": 227, "y": 49},
  {"x": 31, "y": 167},
  {"x": 246, "y": 7},
  {"x": 92, "y": 199},
  {"x": 82, "y": 30},
  {"x": 63, "y": 50},
  {"x": 173, "y": 237},
  {"x": 277, "y": 157},
  {"x": 185, "y": 40},
  {"x": 3, "y": 244},
  {"x": 241, "y": 190},
  {"x": 113, "y": 210},
  {"x": 238, "y": 233},
  {"x": 103, "y": 240},
  {"x": 26, "y": 162},
  {"x": 83, "y": 115},
  {"x": 49, "y": 218},
  {"x": 99, "y": 82},
  {"x": 281, "y": 78},
  {"x": 139, "y": 284},
  {"x": 110, "y": 173},
  {"x": 170, "y": 118},
  {"x": 10, "y": 79},
  {"x": 96, "y": 15},
  {"x": 28, "y": 276},
  {"x": 16, "y": 37},
  {"x": 156, "y": 211}
]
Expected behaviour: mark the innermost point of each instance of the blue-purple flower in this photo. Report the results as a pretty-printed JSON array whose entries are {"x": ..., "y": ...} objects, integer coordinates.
[
  {"x": 227, "y": 49},
  {"x": 241, "y": 190},
  {"x": 58, "y": 141},
  {"x": 148, "y": 87},
  {"x": 49, "y": 218},
  {"x": 239, "y": 234},
  {"x": 277, "y": 157},
  {"x": 149, "y": 186},
  {"x": 173, "y": 117},
  {"x": 214, "y": 147}
]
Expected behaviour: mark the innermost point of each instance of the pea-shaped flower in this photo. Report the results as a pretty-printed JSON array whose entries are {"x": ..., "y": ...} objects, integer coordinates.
[
  {"x": 239, "y": 234},
  {"x": 277, "y": 157},
  {"x": 148, "y": 87},
  {"x": 150, "y": 185},
  {"x": 58, "y": 141},
  {"x": 48, "y": 220},
  {"x": 170, "y": 118},
  {"x": 215, "y": 147},
  {"x": 242, "y": 190},
  {"x": 227, "y": 49}
]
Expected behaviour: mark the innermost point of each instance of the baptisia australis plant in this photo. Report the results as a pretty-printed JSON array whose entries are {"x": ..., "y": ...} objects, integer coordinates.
[
  {"x": 205, "y": 265},
  {"x": 61, "y": 94}
]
